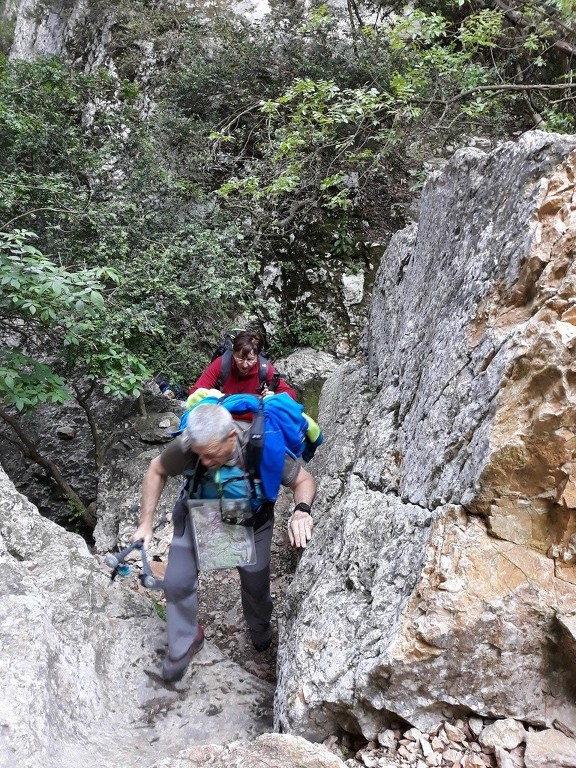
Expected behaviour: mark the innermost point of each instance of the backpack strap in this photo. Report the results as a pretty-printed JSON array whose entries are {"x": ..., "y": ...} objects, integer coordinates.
[
  {"x": 274, "y": 381},
  {"x": 254, "y": 447},
  {"x": 225, "y": 368},
  {"x": 194, "y": 480},
  {"x": 263, "y": 366}
]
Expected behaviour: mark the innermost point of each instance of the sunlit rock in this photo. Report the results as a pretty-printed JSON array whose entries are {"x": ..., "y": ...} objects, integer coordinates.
[{"x": 440, "y": 581}]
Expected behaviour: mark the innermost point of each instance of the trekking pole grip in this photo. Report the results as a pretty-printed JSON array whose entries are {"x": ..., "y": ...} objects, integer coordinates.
[{"x": 113, "y": 561}]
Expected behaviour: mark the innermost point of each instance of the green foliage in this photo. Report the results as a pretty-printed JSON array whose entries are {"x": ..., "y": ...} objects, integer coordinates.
[
  {"x": 7, "y": 26},
  {"x": 434, "y": 76},
  {"x": 557, "y": 121},
  {"x": 25, "y": 382},
  {"x": 60, "y": 318},
  {"x": 34, "y": 287},
  {"x": 312, "y": 128},
  {"x": 76, "y": 511},
  {"x": 343, "y": 245},
  {"x": 481, "y": 30},
  {"x": 159, "y": 607},
  {"x": 261, "y": 135},
  {"x": 299, "y": 329},
  {"x": 103, "y": 189}
]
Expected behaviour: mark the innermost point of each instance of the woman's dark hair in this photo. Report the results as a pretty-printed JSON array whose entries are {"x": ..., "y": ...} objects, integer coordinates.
[{"x": 247, "y": 343}]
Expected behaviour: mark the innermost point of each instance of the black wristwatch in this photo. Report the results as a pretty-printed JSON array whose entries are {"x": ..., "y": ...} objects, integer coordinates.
[{"x": 304, "y": 507}]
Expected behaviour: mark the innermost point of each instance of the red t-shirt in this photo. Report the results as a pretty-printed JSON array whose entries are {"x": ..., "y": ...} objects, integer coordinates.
[{"x": 236, "y": 384}]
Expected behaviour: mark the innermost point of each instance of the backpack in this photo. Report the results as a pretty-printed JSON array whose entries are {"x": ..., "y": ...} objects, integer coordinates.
[
  {"x": 224, "y": 350},
  {"x": 278, "y": 423}
]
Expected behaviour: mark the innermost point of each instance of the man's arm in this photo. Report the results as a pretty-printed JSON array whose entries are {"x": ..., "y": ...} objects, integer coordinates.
[
  {"x": 300, "y": 524},
  {"x": 152, "y": 487}
]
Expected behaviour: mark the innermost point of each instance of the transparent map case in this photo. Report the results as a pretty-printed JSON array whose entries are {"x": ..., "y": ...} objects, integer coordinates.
[{"x": 220, "y": 544}]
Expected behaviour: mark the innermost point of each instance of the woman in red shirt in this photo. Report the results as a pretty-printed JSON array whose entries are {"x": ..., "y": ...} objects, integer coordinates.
[{"x": 243, "y": 370}]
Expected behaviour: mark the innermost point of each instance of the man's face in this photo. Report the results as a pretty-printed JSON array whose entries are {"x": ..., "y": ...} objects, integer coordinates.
[
  {"x": 245, "y": 364},
  {"x": 214, "y": 455}
]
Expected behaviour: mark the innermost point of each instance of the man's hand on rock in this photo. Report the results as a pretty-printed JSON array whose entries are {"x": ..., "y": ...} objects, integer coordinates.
[{"x": 300, "y": 527}]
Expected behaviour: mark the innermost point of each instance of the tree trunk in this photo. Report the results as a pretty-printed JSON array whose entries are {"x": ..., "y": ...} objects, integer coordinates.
[{"x": 53, "y": 470}]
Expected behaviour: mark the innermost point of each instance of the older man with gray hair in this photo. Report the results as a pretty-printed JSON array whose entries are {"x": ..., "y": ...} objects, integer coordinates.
[{"x": 213, "y": 445}]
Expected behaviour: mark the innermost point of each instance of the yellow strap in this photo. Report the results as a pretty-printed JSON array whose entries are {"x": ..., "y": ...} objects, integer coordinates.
[
  {"x": 313, "y": 431},
  {"x": 201, "y": 394}
]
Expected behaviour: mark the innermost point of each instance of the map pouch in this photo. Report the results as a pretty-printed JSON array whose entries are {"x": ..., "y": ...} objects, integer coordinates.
[{"x": 218, "y": 542}]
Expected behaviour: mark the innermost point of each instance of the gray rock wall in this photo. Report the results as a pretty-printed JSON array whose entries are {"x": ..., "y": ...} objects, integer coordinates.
[
  {"x": 48, "y": 28},
  {"x": 441, "y": 580},
  {"x": 80, "y": 659}
]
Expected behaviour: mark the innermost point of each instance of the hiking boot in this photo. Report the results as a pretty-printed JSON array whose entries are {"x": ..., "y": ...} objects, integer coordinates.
[
  {"x": 174, "y": 669},
  {"x": 261, "y": 639}
]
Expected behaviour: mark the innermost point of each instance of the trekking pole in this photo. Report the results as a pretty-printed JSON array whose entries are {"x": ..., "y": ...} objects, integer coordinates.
[
  {"x": 116, "y": 562},
  {"x": 147, "y": 578}
]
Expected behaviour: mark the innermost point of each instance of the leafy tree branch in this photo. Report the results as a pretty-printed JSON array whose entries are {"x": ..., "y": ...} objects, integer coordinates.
[{"x": 64, "y": 312}]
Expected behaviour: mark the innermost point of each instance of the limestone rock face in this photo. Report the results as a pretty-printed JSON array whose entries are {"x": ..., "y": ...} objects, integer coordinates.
[
  {"x": 271, "y": 749},
  {"x": 49, "y": 28},
  {"x": 80, "y": 657},
  {"x": 550, "y": 749},
  {"x": 441, "y": 579},
  {"x": 85, "y": 30},
  {"x": 119, "y": 501},
  {"x": 306, "y": 365}
]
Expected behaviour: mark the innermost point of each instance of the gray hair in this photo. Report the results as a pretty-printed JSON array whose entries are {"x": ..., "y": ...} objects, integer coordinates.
[{"x": 207, "y": 424}]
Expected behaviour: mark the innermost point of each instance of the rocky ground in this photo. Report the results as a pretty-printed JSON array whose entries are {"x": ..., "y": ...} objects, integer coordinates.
[{"x": 472, "y": 743}]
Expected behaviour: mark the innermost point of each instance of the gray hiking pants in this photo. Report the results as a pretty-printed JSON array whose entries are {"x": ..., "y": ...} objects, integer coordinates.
[{"x": 181, "y": 583}]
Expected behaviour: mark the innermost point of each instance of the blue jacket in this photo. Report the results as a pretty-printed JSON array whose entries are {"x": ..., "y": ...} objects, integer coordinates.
[{"x": 284, "y": 432}]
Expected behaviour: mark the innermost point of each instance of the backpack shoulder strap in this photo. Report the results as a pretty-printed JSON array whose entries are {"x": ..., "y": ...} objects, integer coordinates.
[
  {"x": 193, "y": 479},
  {"x": 274, "y": 381},
  {"x": 263, "y": 366},
  {"x": 254, "y": 448},
  {"x": 225, "y": 368}
]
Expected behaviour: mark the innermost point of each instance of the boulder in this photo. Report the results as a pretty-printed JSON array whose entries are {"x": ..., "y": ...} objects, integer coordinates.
[
  {"x": 272, "y": 750},
  {"x": 441, "y": 580},
  {"x": 506, "y": 734},
  {"x": 118, "y": 503},
  {"x": 550, "y": 749},
  {"x": 81, "y": 656},
  {"x": 307, "y": 365}
]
